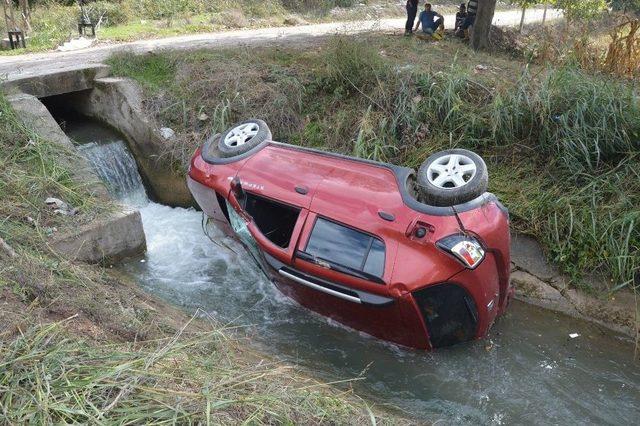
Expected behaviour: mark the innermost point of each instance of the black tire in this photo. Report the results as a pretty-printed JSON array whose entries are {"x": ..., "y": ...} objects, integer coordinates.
[
  {"x": 443, "y": 196},
  {"x": 229, "y": 149}
]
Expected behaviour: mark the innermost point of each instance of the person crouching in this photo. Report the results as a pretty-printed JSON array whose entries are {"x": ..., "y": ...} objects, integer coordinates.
[{"x": 430, "y": 20}]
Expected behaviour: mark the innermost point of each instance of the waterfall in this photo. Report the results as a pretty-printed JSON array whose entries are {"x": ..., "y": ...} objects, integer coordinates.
[{"x": 116, "y": 167}]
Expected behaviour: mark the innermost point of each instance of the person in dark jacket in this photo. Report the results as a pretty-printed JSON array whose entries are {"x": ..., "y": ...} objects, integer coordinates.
[
  {"x": 461, "y": 15},
  {"x": 412, "y": 11},
  {"x": 472, "y": 9}
]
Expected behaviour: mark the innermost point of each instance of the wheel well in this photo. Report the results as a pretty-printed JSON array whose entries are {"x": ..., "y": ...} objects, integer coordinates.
[{"x": 449, "y": 312}]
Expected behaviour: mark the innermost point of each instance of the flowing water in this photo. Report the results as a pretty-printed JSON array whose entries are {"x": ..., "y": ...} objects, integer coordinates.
[{"x": 529, "y": 372}]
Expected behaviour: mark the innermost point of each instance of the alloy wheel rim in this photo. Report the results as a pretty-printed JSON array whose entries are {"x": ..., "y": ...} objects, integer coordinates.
[
  {"x": 451, "y": 171},
  {"x": 241, "y": 134}
]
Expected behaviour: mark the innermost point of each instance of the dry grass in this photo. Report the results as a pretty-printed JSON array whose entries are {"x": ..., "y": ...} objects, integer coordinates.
[
  {"x": 623, "y": 54},
  {"x": 609, "y": 44},
  {"x": 192, "y": 377}
]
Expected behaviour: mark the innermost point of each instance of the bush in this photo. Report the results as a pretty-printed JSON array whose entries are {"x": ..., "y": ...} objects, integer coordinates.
[
  {"x": 350, "y": 68},
  {"x": 230, "y": 19},
  {"x": 164, "y": 9},
  {"x": 316, "y": 6},
  {"x": 583, "y": 120},
  {"x": 109, "y": 13}
]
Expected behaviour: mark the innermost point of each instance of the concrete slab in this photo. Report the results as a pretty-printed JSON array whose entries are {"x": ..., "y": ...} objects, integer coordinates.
[
  {"x": 106, "y": 240},
  {"x": 49, "y": 83},
  {"x": 527, "y": 254}
]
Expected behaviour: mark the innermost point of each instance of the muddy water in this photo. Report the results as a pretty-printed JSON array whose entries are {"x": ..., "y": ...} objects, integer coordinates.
[{"x": 529, "y": 372}]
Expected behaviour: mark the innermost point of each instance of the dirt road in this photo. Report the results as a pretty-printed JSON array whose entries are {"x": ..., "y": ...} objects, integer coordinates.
[{"x": 15, "y": 67}]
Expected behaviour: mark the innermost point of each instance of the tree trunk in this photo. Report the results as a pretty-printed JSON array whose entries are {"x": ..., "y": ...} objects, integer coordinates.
[
  {"x": 482, "y": 25},
  {"x": 26, "y": 15},
  {"x": 544, "y": 15},
  {"x": 524, "y": 9}
]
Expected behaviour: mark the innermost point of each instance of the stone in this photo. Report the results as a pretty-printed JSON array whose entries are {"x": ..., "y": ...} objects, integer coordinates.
[
  {"x": 119, "y": 236},
  {"x": 56, "y": 203},
  {"x": 167, "y": 132},
  {"x": 76, "y": 44},
  {"x": 6, "y": 250},
  {"x": 293, "y": 20}
]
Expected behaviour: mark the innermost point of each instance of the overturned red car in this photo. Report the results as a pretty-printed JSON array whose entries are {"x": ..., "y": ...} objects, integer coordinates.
[{"x": 421, "y": 260}]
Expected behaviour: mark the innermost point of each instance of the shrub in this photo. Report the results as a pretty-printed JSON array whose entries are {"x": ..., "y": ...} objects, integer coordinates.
[
  {"x": 165, "y": 9},
  {"x": 230, "y": 19},
  {"x": 109, "y": 13},
  {"x": 350, "y": 68},
  {"x": 316, "y": 6},
  {"x": 584, "y": 120}
]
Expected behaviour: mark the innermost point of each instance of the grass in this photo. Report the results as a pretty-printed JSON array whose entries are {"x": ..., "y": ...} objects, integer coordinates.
[
  {"x": 562, "y": 144},
  {"x": 193, "y": 378},
  {"x": 82, "y": 344}
]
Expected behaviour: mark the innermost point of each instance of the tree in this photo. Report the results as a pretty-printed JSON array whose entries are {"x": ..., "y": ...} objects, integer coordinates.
[
  {"x": 25, "y": 14},
  {"x": 482, "y": 25},
  {"x": 575, "y": 10},
  {"x": 524, "y": 4}
]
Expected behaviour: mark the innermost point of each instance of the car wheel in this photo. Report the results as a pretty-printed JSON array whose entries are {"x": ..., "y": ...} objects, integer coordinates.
[
  {"x": 243, "y": 137},
  {"x": 452, "y": 177}
]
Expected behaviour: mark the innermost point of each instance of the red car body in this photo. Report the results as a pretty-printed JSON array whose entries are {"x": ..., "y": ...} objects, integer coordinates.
[{"x": 371, "y": 198}]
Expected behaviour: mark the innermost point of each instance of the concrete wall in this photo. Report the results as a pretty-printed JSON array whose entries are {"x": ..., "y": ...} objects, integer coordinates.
[
  {"x": 118, "y": 102},
  {"x": 107, "y": 239},
  {"x": 44, "y": 84}
]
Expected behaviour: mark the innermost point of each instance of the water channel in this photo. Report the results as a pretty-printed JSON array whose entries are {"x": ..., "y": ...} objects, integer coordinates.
[{"x": 528, "y": 372}]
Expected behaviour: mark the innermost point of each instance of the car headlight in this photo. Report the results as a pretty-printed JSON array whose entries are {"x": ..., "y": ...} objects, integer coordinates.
[{"x": 465, "y": 248}]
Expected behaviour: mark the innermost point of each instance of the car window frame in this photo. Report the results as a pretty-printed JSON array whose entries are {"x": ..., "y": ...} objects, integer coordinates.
[
  {"x": 275, "y": 201},
  {"x": 304, "y": 255}
]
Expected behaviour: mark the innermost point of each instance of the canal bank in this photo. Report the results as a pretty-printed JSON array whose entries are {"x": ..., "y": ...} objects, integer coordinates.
[{"x": 205, "y": 273}]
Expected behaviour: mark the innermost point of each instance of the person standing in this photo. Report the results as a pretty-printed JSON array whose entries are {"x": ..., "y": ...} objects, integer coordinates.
[{"x": 412, "y": 11}]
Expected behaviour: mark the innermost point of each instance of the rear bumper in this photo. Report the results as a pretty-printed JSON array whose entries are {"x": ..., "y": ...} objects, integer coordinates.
[{"x": 483, "y": 285}]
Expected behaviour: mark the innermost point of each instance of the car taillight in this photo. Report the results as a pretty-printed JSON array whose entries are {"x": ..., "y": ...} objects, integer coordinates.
[{"x": 465, "y": 248}]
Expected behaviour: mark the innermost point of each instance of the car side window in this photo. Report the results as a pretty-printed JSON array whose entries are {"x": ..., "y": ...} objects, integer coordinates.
[
  {"x": 341, "y": 245},
  {"x": 276, "y": 221}
]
